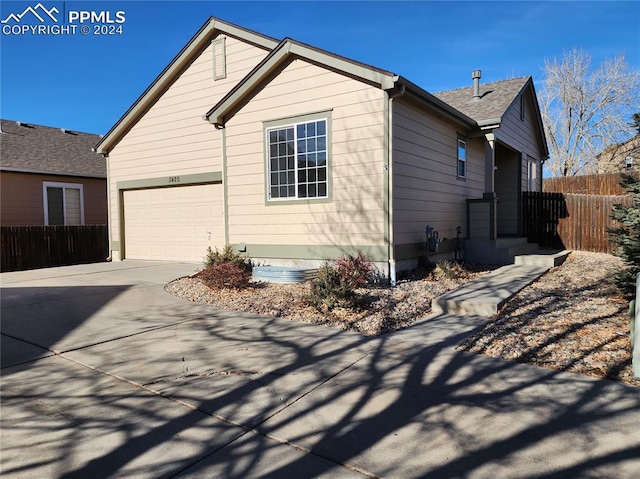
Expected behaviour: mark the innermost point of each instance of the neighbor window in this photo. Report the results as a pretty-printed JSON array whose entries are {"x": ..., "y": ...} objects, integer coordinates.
[
  {"x": 297, "y": 160},
  {"x": 462, "y": 158},
  {"x": 219, "y": 59},
  {"x": 63, "y": 203}
]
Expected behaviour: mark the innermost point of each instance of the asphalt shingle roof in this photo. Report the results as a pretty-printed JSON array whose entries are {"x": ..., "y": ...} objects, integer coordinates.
[
  {"x": 495, "y": 98},
  {"x": 42, "y": 149}
]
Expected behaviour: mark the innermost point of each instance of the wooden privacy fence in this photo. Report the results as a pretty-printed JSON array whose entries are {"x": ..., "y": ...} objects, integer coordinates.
[
  {"x": 31, "y": 247},
  {"x": 608, "y": 184},
  {"x": 577, "y": 222}
]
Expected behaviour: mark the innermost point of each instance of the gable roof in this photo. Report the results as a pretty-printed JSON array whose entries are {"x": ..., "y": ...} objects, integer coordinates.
[
  {"x": 182, "y": 60},
  {"x": 457, "y": 105},
  {"x": 289, "y": 49},
  {"x": 495, "y": 99},
  {"x": 42, "y": 149}
]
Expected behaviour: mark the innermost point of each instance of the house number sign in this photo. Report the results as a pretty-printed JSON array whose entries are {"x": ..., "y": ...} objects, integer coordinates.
[{"x": 174, "y": 179}]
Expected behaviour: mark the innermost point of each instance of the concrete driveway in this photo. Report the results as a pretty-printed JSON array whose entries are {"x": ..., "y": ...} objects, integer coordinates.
[{"x": 106, "y": 375}]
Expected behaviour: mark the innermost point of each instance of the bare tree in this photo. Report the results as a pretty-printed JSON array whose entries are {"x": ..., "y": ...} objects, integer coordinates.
[{"x": 584, "y": 111}]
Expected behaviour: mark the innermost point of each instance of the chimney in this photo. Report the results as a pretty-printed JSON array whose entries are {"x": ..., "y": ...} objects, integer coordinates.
[{"x": 476, "y": 84}]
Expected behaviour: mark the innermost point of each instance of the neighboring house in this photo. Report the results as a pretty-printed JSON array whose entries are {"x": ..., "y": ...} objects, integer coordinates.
[
  {"x": 623, "y": 156},
  {"x": 297, "y": 155},
  {"x": 50, "y": 176}
]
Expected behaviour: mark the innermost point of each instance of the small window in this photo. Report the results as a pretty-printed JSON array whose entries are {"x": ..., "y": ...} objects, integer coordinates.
[
  {"x": 532, "y": 174},
  {"x": 462, "y": 158},
  {"x": 219, "y": 59},
  {"x": 297, "y": 156},
  {"x": 522, "y": 106},
  {"x": 63, "y": 203}
]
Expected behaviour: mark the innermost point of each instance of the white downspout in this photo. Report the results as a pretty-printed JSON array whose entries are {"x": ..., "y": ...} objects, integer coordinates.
[{"x": 392, "y": 258}]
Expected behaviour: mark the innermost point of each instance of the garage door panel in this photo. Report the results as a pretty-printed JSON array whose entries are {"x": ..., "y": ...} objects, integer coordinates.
[{"x": 173, "y": 224}]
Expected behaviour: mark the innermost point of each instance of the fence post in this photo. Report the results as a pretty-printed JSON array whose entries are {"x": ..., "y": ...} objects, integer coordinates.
[{"x": 635, "y": 330}]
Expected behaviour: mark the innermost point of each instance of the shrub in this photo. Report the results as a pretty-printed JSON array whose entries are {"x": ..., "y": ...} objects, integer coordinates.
[
  {"x": 335, "y": 284},
  {"x": 355, "y": 271},
  {"x": 627, "y": 236},
  {"x": 227, "y": 255},
  {"x": 329, "y": 291},
  {"x": 449, "y": 270},
  {"x": 225, "y": 275},
  {"x": 225, "y": 269}
]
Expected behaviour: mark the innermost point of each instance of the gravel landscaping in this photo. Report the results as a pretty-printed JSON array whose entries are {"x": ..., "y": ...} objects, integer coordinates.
[{"x": 570, "y": 319}]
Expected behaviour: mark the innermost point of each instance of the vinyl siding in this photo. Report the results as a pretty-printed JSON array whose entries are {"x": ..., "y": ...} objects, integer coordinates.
[
  {"x": 354, "y": 213},
  {"x": 521, "y": 135},
  {"x": 21, "y": 201},
  {"x": 172, "y": 139},
  {"x": 426, "y": 190}
]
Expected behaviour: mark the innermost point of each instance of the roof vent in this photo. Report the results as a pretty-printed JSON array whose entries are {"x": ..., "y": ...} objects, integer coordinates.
[
  {"x": 477, "y": 74},
  {"x": 21, "y": 123}
]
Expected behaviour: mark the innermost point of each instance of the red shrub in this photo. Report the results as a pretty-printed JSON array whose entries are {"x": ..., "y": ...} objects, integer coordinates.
[{"x": 225, "y": 275}]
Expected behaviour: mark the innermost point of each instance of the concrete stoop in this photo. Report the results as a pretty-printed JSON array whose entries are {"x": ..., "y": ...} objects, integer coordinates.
[
  {"x": 550, "y": 258},
  {"x": 486, "y": 295},
  {"x": 498, "y": 251}
]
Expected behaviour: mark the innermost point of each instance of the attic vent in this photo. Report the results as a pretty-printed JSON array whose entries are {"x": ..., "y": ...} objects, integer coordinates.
[{"x": 476, "y": 75}]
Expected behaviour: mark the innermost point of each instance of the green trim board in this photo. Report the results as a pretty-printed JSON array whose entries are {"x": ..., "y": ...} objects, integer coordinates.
[
  {"x": 315, "y": 252},
  {"x": 169, "y": 181},
  {"x": 419, "y": 250}
]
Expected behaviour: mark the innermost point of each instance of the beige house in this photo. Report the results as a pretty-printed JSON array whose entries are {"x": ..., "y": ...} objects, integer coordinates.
[{"x": 297, "y": 155}]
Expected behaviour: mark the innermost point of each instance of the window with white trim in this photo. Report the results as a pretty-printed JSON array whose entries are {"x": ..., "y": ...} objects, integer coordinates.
[
  {"x": 63, "y": 203},
  {"x": 462, "y": 158},
  {"x": 297, "y": 161}
]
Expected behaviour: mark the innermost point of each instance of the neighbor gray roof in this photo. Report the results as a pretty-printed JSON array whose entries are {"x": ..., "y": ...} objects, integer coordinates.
[
  {"x": 42, "y": 149},
  {"x": 494, "y": 100}
]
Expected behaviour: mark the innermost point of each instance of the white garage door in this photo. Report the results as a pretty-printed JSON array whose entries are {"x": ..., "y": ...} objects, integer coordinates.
[{"x": 173, "y": 224}]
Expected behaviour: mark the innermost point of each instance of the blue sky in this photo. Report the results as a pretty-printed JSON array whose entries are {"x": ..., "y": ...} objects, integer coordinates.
[{"x": 86, "y": 82}]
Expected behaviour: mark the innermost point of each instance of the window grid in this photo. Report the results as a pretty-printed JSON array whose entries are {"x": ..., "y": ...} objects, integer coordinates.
[{"x": 298, "y": 161}]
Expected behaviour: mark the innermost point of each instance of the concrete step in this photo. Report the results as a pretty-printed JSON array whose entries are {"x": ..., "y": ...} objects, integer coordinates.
[
  {"x": 500, "y": 251},
  {"x": 550, "y": 258},
  {"x": 486, "y": 295},
  {"x": 509, "y": 242}
]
